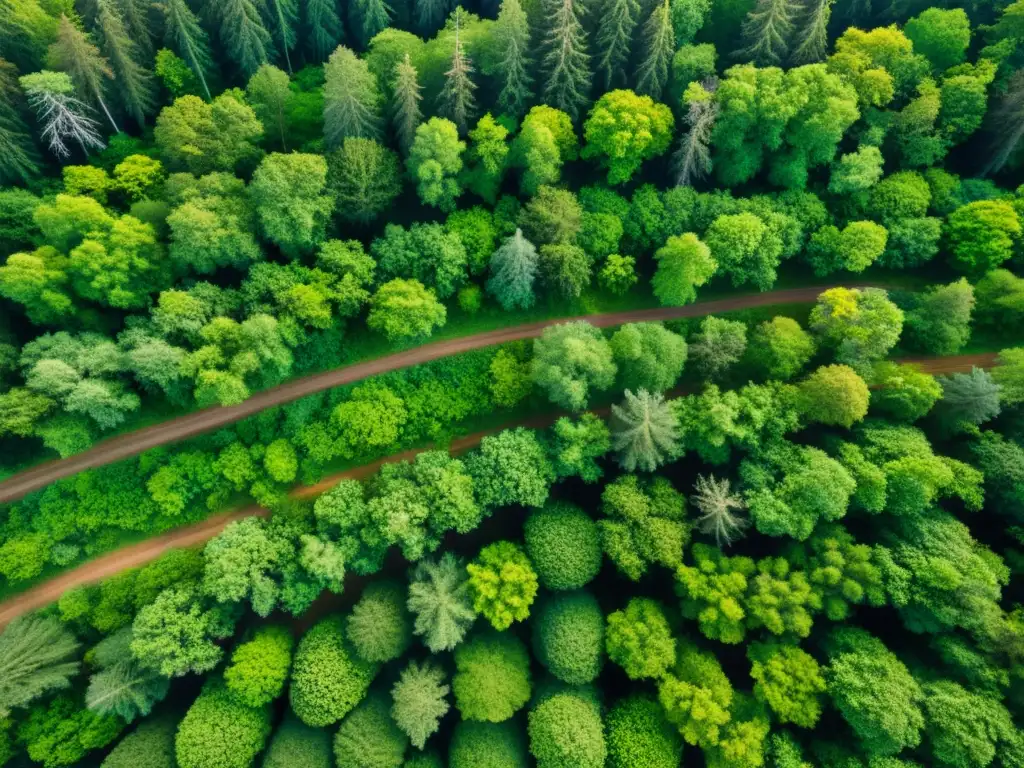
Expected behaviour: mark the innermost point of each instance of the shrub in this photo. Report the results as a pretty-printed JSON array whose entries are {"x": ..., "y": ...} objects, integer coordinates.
[
  {"x": 639, "y": 735},
  {"x": 492, "y": 677},
  {"x": 220, "y": 732},
  {"x": 328, "y": 679},
  {"x": 487, "y": 745},
  {"x": 151, "y": 745},
  {"x": 565, "y": 732},
  {"x": 639, "y": 639},
  {"x": 380, "y": 628},
  {"x": 563, "y": 545},
  {"x": 502, "y": 584},
  {"x": 259, "y": 668},
  {"x": 369, "y": 738},
  {"x": 568, "y": 637},
  {"x": 296, "y": 745}
]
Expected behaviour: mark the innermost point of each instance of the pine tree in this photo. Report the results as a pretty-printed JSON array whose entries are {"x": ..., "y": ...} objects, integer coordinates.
[
  {"x": 406, "y": 103},
  {"x": 430, "y": 14},
  {"x": 35, "y": 657},
  {"x": 614, "y": 37},
  {"x": 63, "y": 117},
  {"x": 565, "y": 63},
  {"x": 440, "y": 602},
  {"x": 136, "y": 18},
  {"x": 1007, "y": 124},
  {"x": 719, "y": 508},
  {"x": 183, "y": 33},
  {"x": 644, "y": 431},
  {"x": 284, "y": 15},
  {"x": 73, "y": 54},
  {"x": 813, "y": 33},
  {"x": 373, "y": 17},
  {"x": 768, "y": 31},
  {"x": 323, "y": 27},
  {"x": 513, "y": 271},
  {"x": 122, "y": 686},
  {"x": 351, "y": 99},
  {"x": 456, "y": 100},
  {"x": 19, "y": 160},
  {"x": 659, "y": 46},
  {"x": 512, "y": 42},
  {"x": 242, "y": 30},
  {"x": 692, "y": 160},
  {"x": 134, "y": 82}
]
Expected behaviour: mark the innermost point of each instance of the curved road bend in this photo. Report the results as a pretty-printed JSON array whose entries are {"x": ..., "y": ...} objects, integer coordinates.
[
  {"x": 190, "y": 425},
  {"x": 136, "y": 555}
]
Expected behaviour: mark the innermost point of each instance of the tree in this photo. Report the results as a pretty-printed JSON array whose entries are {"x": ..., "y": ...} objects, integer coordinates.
[
  {"x": 971, "y": 398},
  {"x": 440, "y": 601},
  {"x": 566, "y": 268},
  {"x": 768, "y": 32},
  {"x": 568, "y": 636},
  {"x": 456, "y": 100},
  {"x": 981, "y": 235},
  {"x": 241, "y": 563},
  {"x": 648, "y": 356},
  {"x": 941, "y": 36},
  {"x": 563, "y": 546},
  {"x": 512, "y": 43},
  {"x": 323, "y": 27},
  {"x": 76, "y": 55},
  {"x": 684, "y": 264},
  {"x": 780, "y": 347},
  {"x": 63, "y": 117},
  {"x": 550, "y": 724},
  {"x": 553, "y": 216},
  {"x": 854, "y": 248},
  {"x": 328, "y": 680},
  {"x": 719, "y": 345},
  {"x": 419, "y": 701},
  {"x": 258, "y": 669},
  {"x": 903, "y": 392},
  {"x": 861, "y": 324},
  {"x": 745, "y": 248},
  {"x": 623, "y": 130},
  {"x": 692, "y": 160},
  {"x": 199, "y": 137},
  {"x": 569, "y": 359},
  {"x": 639, "y": 639},
  {"x": 135, "y": 83},
  {"x": 834, "y": 394},
  {"x": 220, "y": 731},
  {"x": 652, "y": 72},
  {"x": 63, "y": 732},
  {"x": 502, "y": 584},
  {"x": 183, "y": 31},
  {"x": 643, "y": 524},
  {"x": 19, "y": 160},
  {"x": 939, "y": 322},
  {"x": 492, "y": 677},
  {"x": 511, "y": 467},
  {"x": 813, "y": 34},
  {"x": 614, "y": 39},
  {"x": 405, "y": 308},
  {"x": 271, "y": 97},
  {"x": 856, "y": 171},
  {"x": 536, "y": 150},
  {"x": 175, "y": 634},
  {"x": 618, "y": 274},
  {"x": 364, "y": 178},
  {"x": 288, "y": 192},
  {"x": 369, "y": 735},
  {"x": 351, "y": 99},
  {"x": 406, "y": 98},
  {"x": 789, "y": 681},
  {"x": 151, "y": 745},
  {"x": 247, "y": 40},
  {"x": 720, "y": 509},
  {"x": 965, "y": 727},
  {"x": 485, "y": 162},
  {"x": 37, "y": 658},
  {"x": 639, "y": 735},
  {"x": 122, "y": 686},
  {"x": 477, "y": 743},
  {"x": 564, "y": 61},
  {"x": 374, "y": 16},
  {"x": 425, "y": 252},
  {"x": 644, "y": 431},
  {"x": 434, "y": 162},
  {"x": 380, "y": 628}
]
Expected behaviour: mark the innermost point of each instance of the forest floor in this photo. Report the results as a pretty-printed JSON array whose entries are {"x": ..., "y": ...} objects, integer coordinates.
[{"x": 139, "y": 554}]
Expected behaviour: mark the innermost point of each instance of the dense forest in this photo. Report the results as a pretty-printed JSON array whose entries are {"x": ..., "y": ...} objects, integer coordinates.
[{"x": 759, "y": 538}]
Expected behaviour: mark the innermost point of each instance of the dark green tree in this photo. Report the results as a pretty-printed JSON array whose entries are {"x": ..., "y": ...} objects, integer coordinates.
[
  {"x": 564, "y": 61},
  {"x": 284, "y": 16},
  {"x": 75, "y": 54},
  {"x": 659, "y": 45},
  {"x": 184, "y": 33},
  {"x": 614, "y": 39},
  {"x": 768, "y": 31},
  {"x": 247, "y": 40},
  {"x": 135, "y": 83},
  {"x": 456, "y": 100},
  {"x": 512, "y": 42},
  {"x": 322, "y": 27},
  {"x": 406, "y": 114}
]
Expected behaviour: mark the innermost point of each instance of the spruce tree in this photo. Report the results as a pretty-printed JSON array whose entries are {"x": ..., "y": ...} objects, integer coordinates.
[
  {"x": 513, "y": 272},
  {"x": 74, "y": 54},
  {"x": 1007, "y": 124},
  {"x": 614, "y": 37},
  {"x": 512, "y": 41},
  {"x": 767, "y": 32},
  {"x": 284, "y": 15},
  {"x": 244, "y": 35},
  {"x": 63, "y": 117},
  {"x": 19, "y": 160},
  {"x": 813, "y": 35},
  {"x": 565, "y": 63},
  {"x": 136, "y": 20},
  {"x": 659, "y": 46},
  {"x": 430, "y": 15},
  {"x": 323, "y": 27},
  {"x": 456, "y": 100},
  {"x": 134, "y": 82},
  {"x": 373, "y": 16},
  {"x": 36, "y": 656},
  {"x": 351, "y": 99},
  {"x": 184, "y": 34},
  {"x": 645, "y": 431},
  {"x": 406, "y": 113}
]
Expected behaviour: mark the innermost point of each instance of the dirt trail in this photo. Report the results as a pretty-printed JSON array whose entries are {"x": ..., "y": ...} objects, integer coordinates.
[
  {"x": 190, "y": 425},
  {"x": 135, "y": 555}
]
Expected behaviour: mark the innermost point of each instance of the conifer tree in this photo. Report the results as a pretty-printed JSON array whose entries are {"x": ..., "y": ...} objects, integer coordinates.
[
  {"x": 134, "y": 82},
  {"x": 512, "y": 40},
  {"x": 63, "y": 117},
  {"x": 659, "y": 46},
  {"x": 323, "y": 28},
  {"x": 430, "y": 14},
  {"x": 183, "y": 33},
  {"x": 135, "y": 14},
  {"x": 456, "y": 100},
  {"x": 75, "y": 55},
  {"x": 247, "y": 40},
  {"x": 406, "y": 103},
  {"x": 767, "y": 32},
  {"x": 813, "y": 35},
  {"x": 1007, "y": 124},
  {"x": 373, "y": 16},
  {"x": 37, "y": 655},
  {"x": 19, "y": 160},
  {"x": 692, "y": 160},
  {"x": 565, "y": 63},
  {"x": 284, "y": 15},
  {"x": 614, "y": 36},
  {"x": 645, "y": 431},
  {"x": 351, "y": 99},
  {"x": 513, "y": 271}
]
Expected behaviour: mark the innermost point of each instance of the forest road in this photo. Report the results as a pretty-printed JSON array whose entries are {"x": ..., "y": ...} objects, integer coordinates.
[
  {"x": 133, "y": 443},
  {"x": 136, "y": 555}
]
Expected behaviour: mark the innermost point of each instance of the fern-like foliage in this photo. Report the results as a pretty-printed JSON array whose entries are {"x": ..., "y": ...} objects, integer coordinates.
[
  {"x": 720, "y": 509},
  {"x": 36, "y": 657},
  {"x": 644, "y": 431},
  {"x": 419, "y": 701},
  {"x": 122, "y": 686},
  {"x": 440, "y": 601}
]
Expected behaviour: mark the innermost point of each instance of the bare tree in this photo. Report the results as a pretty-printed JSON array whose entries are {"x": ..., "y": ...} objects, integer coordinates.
[
  {"x": 719, "y": 508},
  {"x": 63, "y": 117}
]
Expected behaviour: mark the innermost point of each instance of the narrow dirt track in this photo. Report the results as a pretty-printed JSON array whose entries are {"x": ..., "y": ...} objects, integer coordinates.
[
  {"x": 135, "y": 555},
  {"x": 190, "y": 425}
]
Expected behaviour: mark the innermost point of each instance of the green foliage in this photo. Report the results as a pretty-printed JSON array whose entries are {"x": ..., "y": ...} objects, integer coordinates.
[
  {"x": 220, "y": 732},
  {"x": 684, "y": 263},
  {"x": 568, "y": 637},
  {"x": 566, "y": 731},
  {"x": 834, "y": 394},
  {"x": 440, "y": 600},
  {"x": 352, "y": 100},
  {"x": 639, "y": 639},
  {"x": 490, "y": 745},
  {"x": 552, "y": 217},
  {"x": 576, "y": 447},
  {"x": 981, "y": 235},
  {"x": 639, "y": 736},
  {"x": 435, "y": 161},
  {"x": 623, "y": 130},
  {"x": 718, "y": 345},
  {"x": 643, "y": 524},
  {"x": 695, "y": 696},
  {"x": 492, "y": 677},
  {"x": 648, "y": 356},
  {"x": 364, "y": 178},
  {"x": 122, "y": 686},
  {"x": 513, "y": 271},
  {"x": 789, "y": 681},
  {"x": 425, "y": 252},
  {"x": 903, "y": 392},
  {"x": 940, "y": 36},
  {"x": 419, "y": 702},
  {"x": 780, "y": 347},
  {"x": 405, "y": 308},
  {"x": 502, "y": 583},
  {"x": 37, "y": 658},
  {"x": 259, "y": 667},
  {"x": 62, "y": 733},
  {"x": 369, "y": 737},
  {"x": 151, "y": 745},
  {"x": 644, "y": 431},
  {"x": 380, "y": 628},
  {"x": 175, "y": 634},
  {"x": 563, "y": 545},
  {"x": 861, "y": 324},
  {"x": 939, "y": 322},
  {"x": 296, "y": 745},
  {"x": 203, "y": 137},
  {"x": 568, "y": 360},
  {"x": 511, "y": 467}
]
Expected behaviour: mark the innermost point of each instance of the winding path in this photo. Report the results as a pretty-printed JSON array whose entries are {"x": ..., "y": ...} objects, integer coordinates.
[
  {"x": 132, "y": 443},
  {"x": 136, "y": 555}
]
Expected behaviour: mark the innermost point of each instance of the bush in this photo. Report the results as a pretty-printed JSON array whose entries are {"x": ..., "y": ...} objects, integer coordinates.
[
  {"x": 380, "y": 628},
  {"x": 259, "y": 668},
  {"x": 502, "y": 584},
  {"x": 639, "y": 639},
  {"x": 565, "y": 732},
  {"x": 568, "y": 637},
  {"x": 369, "y": 738},
  {"x": 328, "y": 679},
  {"x": 639, "y": 736},
  {"x": 219, "y": 732},
  {"x": 296, "y": 745},
  {"x": 487, "y": 745},
  {"x": 151, "y": 745},
  {"x": 564, "y": 546},
  {"x": 492, "y": 677}
]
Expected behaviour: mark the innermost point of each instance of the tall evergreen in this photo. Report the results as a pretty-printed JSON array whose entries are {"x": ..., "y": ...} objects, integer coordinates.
[
  {"x": 813, "y": 35},
  {"x": 430, "y": 15},
  {"x": 323, "y": 28},
  {"x": 406, "y": 113},
  {"x": 1007, "y": 124},
  {"x": 184, "y": 34},
  {"x": 614, "y": 37},
  {"x": 767, "y": 32},
  {"x": 456, "y": 100},
  {"x": 284, "y": 15},
  {"x": 565, "y": 63},
  {"x": 247, "y": 40},
  {"x": 512, "y": 41},
  {"x": 19, "y": 160},
  {"x": 136, "y": 20},
  {"x": 372, "y": 16},
  {"x": 351, "y": 99},
  {"x": 73, "y": 53},
  {"x": 659, "y": 45},
  {"x": 134, "y": 82},
  {"x": 692, "y": 160}
]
